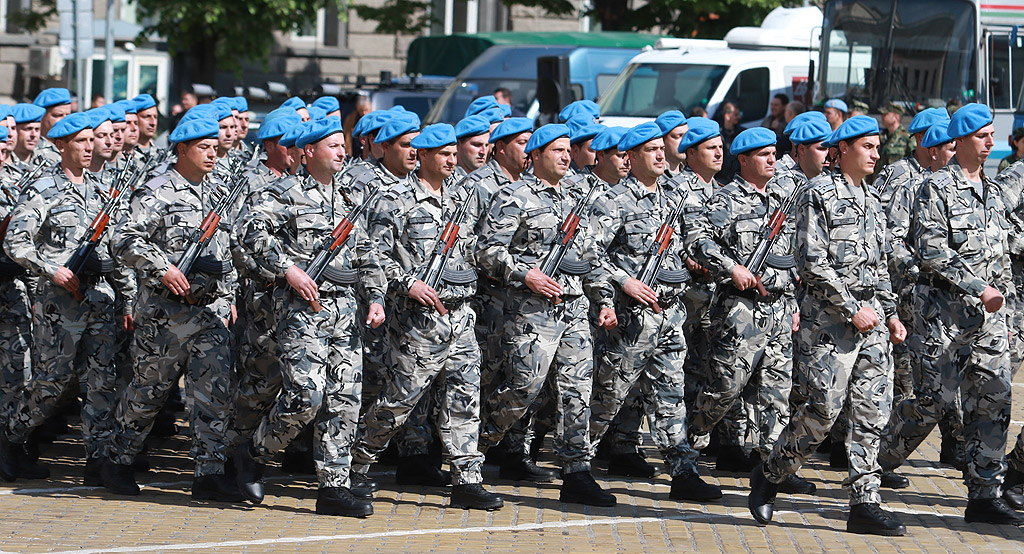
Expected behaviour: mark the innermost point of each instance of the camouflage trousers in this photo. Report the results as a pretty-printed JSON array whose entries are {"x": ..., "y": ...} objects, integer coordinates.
[
  {"x": 321, "y": 371},
  {"x": 15, "y": 338},
  {"x": 258, "y": 364},
  {"x": 431, "y": 356},
  {"x": 840, "y": 368},
  {"x": 548, "y": 342},
  {"x": 750, "y": 346},
  {"x": 645, "y": 352},
  {"x": 72, "y": 340},
  {"x": 172, "y": 339},
  {"x": 906, "y": 354},
  {"x": 965, "y": 348}
]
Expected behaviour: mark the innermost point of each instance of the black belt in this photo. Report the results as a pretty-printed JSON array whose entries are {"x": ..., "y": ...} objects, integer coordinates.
[
  {"x": 167, "y": 294},
  {"x": 752, "y": 294},
  {"x": 863, "y": 295}
]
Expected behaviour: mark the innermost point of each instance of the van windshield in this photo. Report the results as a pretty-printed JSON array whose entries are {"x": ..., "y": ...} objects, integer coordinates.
[
  {"x": 456, "y": 99},
  {"x": 647, "y": 90}
]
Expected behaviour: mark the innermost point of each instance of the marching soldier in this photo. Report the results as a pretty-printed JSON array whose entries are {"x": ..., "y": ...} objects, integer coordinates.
[
  {"x": 673, "y": 125},
  {"x": 844, "y": 358},
  {"x": 27, "y": 119},
  {"x": 472, "y": 133},
  {"x": 57, "y": 103},
  {"x": 16, "y": 326},
  {"x": 146, "y": 114},
  {"x": 581, "y": 155}
]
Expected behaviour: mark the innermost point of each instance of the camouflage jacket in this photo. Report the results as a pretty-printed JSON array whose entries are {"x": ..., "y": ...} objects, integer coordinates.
[
  {"x": 519, "y": 232},
  {"x": 164, "y": 215},
  {"x": 1011, "y": 183},
  {"x": 294, "y": 218},
  {"x": 257, "y": 180},
  {"x": 896, "y": 145},
  {"x": 51, "y": 220},
  {"x": 361, "y": 179},
  {"x": 46, "y": 149},
  {"x": 900, "y": 214},
  {"x": 626, "y": 220},
  {"x": 695, "y": 193},
  {"x": 896, "y": 175},
  {"x": 731, "y": 227},
  {"x": 479, "y": 189},
  {"x": 406, "y": 226},
  {"x": 840, "y": 250},
  {"x": 960, "y": 232},
  {"x": 786, "y": 163},
  {"x": 459, "y": 173}
]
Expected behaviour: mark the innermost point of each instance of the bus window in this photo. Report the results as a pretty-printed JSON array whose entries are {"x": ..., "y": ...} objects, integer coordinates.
[
  {"x": 751, "y": 93},
  {"x": 1000, "y": 94}
]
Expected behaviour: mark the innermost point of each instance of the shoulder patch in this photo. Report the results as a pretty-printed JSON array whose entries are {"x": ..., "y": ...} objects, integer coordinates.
[
  {"x": 941, "y": 178},
  {"x": 282, "y": 185},
  {"x": 43, "y": 183},
  {"x": 158, "y": 181}
]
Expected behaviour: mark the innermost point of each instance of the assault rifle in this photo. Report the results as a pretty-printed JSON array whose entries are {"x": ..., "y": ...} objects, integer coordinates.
[
  {"x": 656, "y": 254},
  {"x": 31, "y": 174},
  {"x": 566, "y": 236},
  {"x": 443, "y": 252},
  {"x": 332, "y": 245},
  {"x": 762, "y": 256}
]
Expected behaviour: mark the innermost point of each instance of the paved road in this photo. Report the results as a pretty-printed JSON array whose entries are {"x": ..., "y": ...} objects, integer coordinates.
[{"x": 59, "y": 515}]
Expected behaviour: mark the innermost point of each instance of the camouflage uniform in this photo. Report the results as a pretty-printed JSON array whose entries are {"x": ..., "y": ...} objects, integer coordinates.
[
  {"x": 46, "y": 150},
  {"x": 1011, "y": 182},
  {"x": 459, "y": 173},
  {"x": 646, "y": 350},
  {"x": 16, "y": 326},
  {"x": 751, "y": 335},
  {"x": 840, "y": 242},
  {"x": 895, "y": 146},
  {"x": 430, "y": 353},
  {"x": 175, "y": 335},
  {"x": 960, "y": 238},
  {"x": 547, "y": 341},
  {"x": 321, "y": 357},
  {"x": 72, "y": 338}
]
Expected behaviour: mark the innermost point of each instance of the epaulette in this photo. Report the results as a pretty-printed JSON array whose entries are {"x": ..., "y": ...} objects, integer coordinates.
[
  {"x": 574, "y": 179},
  {"x": 480, "y": 173},
  {"x": 158, "y": 181},
  {"x": 825, "y": 186},
  {"x": 941, "y": 178},
  {"x": 43, "y": 183},
  {"x": 399, "y": 189},
  {"x": 366, "y": 177},
  {"x": 282, "y": 185}
]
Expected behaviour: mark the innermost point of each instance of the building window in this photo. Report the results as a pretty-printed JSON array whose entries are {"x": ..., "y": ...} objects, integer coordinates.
[
  {"x": 335, "y": 29},
  {"x": 311, "y": 31},
  {"x": 455, "y": 16}
]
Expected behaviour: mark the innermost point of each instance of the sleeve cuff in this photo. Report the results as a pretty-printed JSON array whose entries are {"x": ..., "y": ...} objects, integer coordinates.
[{"x": 974, "y": 287}]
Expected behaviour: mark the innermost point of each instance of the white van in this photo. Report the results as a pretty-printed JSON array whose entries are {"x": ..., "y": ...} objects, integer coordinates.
[{"x": 748, "y": 68}]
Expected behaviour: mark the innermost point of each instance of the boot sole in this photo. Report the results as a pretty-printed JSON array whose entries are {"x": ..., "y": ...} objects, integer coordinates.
[
  {"x": 473, "y": 506},
  {"x": 530, "y": 478},
  {"x": 880, "y": 532},
  {"x": 995, "y": 521},
  {"x": 217, "y": 498},
  {"x": 621, "y": 472},
  {"x": 123, "y": 492},
  {"x": 696, "y": 498},
  {"x": 324, "y": 511}
]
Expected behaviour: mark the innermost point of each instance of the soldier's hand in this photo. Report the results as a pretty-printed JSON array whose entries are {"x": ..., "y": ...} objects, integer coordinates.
[
  {"x": 641, "y": 292},
  {"x": 175, "y": 281},
  {"x": 695, "y": 267},
  {"x": 302, "y": 283},
  {"x": 127, "y": 322},
  {"x": 542, "y": 284},
  {"x": 607, "y": 318},
  {"x": 796, "y": 321},
  {"x": 992, "y": 299},
  {"x": 897, "y": 332},
  {"x": 375, "y": 315},
  {"x": 420, "y": 292},
  {"x": 865, "y": 319},
  {"x": 65, "y": 278},
  {"x": 743, "y": 278}
]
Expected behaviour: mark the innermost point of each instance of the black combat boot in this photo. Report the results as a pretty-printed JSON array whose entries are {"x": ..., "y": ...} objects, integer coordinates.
[
  {"x": 216, "y": 487},
  {"x": 951, "y": 453},
  {"x": 421, "y": 470},
  {"x": 761, "y": 500},
  {"x": 519, "y": 469},
  {"x": 248, "y": 473},
  {"x": 991, "y": 510},
  {"x": 871, "y": 519},
  {"x": 93, "y": 472},
  {"x": 893, "y": 480},
  {"x": 838, "y": 458},
  {"x": 362, "y": 485},
  {"x": 16, "y": 463},
  {"x": 690, "y": 486},
  {"x": 474, "y": 497},
  {"x": 630, "y": 465},
  {"x": 580, "y": 488},
  {"x": 339, "y": 501},
  {"x": 119, "y": 478},
  {"x": 794, "y": 484},
  {"x": 733, "y": 459}
]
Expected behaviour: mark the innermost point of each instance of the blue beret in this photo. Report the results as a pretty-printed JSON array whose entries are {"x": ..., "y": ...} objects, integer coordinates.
[
  {"x": 294, "y": 103},
  {"x": 926, "y": 118},
  {"x": 116, "y": 112},
  {"x": 576, "y": 123},
  {"x": 435, "y": 136},
  {"x": 837, "y": 104},
  {"x": 97, "y": 116},
  {"x": 493, "y": 115},
  {"x": 316, "y": 112},
  {"x": 639, "y": 135},
  {"x": 585, "y": 133},
  {"x": 752, "y": 139},
  {"x": 241, "y": 104},
  {"x": 397, "y": 126},
  {"x": 511, "y": 126},
  {"x": 608, "y": 138},
  {"x": 378, "y": 120},
  {"x": 27, "y": 113},
  {"x": 397, "y": 108},
  {"x": 936, "y": 135},
  {"x": 968, "y": 119},
  {"x": 800, "y": 119},
  {"x": 5, "y": 111},
  {"x": 670, "y": 120},
  {"x": 700, "y": 130},
  {"x": 144, "y": 102},
  {"x": 277, "y": 123},
  {"x": 4, "y": 133},
  {"x": 506, "y": 110},
  {"x": 53, "y": 97},
  {"x": 472, "y": 126},
  {"x": 128, "y": 105},
  {"x": 196, "y": 128},
  {"x": 201, "y": 111},
  {"x": 223, "y": 110},
  {"x": 580, "y": 107},
  {"x": 70, "y": 125},
  {"x": 224, "y": 100},
  {"x": 855, "y": 127},
  {"x": 363, "y": 125},
  {"x": 288, "y": 139},
  {"x": 810, "y": 131},
  {"x": 547, "y": 133},
  {"x": 481, "y": 104},
  {"x": 318, "y": 130},
  {"x": 327, "y": 103}
]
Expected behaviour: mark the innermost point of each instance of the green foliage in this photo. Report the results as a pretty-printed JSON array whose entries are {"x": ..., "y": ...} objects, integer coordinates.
[
  {"x": 407, "y": 17},
  {"x": 699, "y": 18},
  {"x": 34, "y": 19}
]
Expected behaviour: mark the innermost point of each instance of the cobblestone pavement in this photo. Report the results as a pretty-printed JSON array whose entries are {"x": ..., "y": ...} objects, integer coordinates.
[{"x": 60, "y": 515}]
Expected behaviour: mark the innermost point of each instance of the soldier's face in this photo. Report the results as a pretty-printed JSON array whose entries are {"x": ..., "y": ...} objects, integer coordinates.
[
  {"x": 614, "y": 159},
  {"x": 890, "y": 119},
  {"x": 303, "y": 113},
  {"x": 472, "y": 151},
  {"x": 706, "y": 156},
  {"x": 327, "y": 154},
  {"x": 859, "y": 156},
  {"x": 399, "y": 155},
  {"x": 226, "y": 134},
  {"x": 28, "y": 136},
  {"x": 834, "y": 117},
  {"x": 243, "y": 125},
  {"x": 758, "y": 165},
  {"x": 76, "y": 150},
  {"x": 438, "y": 161},
  {"x": 117, "y": 135},
  {"x": 131, "y": 130},
  {"x": 279, "y": 156},
  {"x": 55, "y": 114},
  {"x": 198, "y": 155},
  {"x": 103, "y": 141},
  {"x": 647, "y": 161},
  {"x": 976, "y": 147},
  {"x": 811, "y": 158},
  {"x": 552, "y": 161},
  {"x": 3, "y": 153},
  {"x": 147, "y": 123},
  {"x": 582, "y": 154},
  {"x": 941, "y": 154},
  {"x": 672, "y": 139},
  {"x": 12, "y": 133},
  {"x": 513, "y": 152}
]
